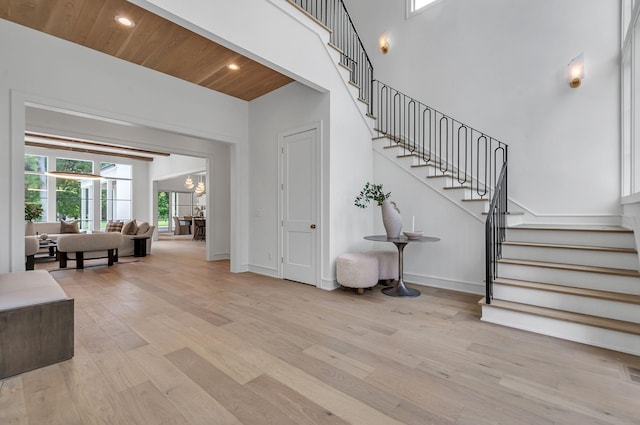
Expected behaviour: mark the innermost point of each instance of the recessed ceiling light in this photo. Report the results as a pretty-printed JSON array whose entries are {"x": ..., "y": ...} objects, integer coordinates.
[
  {"x": 124, "y": 21},
  {"x": 233, "y": 67}
]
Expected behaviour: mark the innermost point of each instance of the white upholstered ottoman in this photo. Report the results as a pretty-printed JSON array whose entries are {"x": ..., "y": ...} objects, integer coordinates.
[
  {"x": 357, "y": 270},
  {"x": 387, "y": 264}
]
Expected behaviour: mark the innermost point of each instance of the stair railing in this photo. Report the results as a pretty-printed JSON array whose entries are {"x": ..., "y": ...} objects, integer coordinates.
[
  {"x": 468, "y": 157},
  {"x": 450, "y": 148},
  {"x": 495, "y": 231},
  {"x": 334, "y": 15}
]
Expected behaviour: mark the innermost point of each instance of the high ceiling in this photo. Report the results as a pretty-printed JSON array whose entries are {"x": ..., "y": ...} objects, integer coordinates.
[{"x": 153, "y": 42}]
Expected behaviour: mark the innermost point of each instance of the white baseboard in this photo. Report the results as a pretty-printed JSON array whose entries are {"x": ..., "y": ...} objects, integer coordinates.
[
  {"x": 452, "y": 285},
  {"x": 217, "y": 257},
  {"x": 266, "y": 271},
  {"x": 328, "y": 285},
  {"x": 239, "y": 268}
]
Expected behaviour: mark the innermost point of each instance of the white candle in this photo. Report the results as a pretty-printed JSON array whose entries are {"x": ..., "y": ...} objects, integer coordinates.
[{"x": 413, "y": 223}]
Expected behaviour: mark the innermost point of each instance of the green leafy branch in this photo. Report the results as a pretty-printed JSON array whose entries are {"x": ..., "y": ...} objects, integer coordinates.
[{"x": 371, "y": 192}]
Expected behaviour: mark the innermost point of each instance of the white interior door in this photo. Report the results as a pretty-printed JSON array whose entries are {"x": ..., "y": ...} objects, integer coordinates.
[{"x": 299, "y": 202}]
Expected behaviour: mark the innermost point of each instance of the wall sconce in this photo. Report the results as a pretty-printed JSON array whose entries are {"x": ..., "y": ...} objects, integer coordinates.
[
  {"x": 383, "y": 42},
  {"x": 576, "y": 71}
]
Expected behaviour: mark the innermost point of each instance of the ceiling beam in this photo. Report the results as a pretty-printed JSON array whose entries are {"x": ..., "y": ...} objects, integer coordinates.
[
  {"x": 89, "y": 151},
  {"x": 95, "y": 144}
]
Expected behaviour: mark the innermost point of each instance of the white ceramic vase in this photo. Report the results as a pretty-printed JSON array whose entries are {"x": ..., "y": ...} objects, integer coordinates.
[
  {"x": 29, "y": 228},
  {"x": 391, "y": 219}
]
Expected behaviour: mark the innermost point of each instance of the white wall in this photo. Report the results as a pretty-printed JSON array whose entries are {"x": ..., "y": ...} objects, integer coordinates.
[
  {"x": 289, "y": 108},
  {"x": 455, "y": 262},
  {"x": 500, "y": 66},
  {"x": 88, "y": 82},
  {"x": 276, "y": 34}
]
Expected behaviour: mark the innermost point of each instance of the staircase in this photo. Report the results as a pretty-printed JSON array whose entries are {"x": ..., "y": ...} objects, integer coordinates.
[
  {"x": 577, "y": 283},
  {"x": 572, "y": 282}
]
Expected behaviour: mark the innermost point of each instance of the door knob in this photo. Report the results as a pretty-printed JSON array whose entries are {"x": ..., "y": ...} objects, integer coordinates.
[{"x": 313, "y": 226}]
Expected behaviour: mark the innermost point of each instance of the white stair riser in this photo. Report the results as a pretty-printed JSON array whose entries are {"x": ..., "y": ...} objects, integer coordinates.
[
  {"x": 615, "y": 260},
  {"x": 579, "y": 279},
  {"x": 458, "y": 194},
  {"x": 591, "y": 335},
  {"x": 478, "y": 207},
  {"x": 572, "y": 237},
  {"x": 566, "y": 302},
  {"x": 514, "y": 220}
]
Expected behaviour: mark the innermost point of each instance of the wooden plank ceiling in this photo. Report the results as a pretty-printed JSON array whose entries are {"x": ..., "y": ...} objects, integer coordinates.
[{"x": 153, "y": 42}]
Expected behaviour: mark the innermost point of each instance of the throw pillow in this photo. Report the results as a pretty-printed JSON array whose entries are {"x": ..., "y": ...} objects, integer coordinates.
[
  {"x": 143, "y": 228},
  {"x": 131, "y": 228},
  {"x": 69, "y": 227},
  {"x": 114, "y": 226}
]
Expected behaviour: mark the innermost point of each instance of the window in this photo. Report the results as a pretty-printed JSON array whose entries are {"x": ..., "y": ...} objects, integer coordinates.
[
  {"x": 182, "y": 203},
  {"x": 630, "y": 103},
  {"x": 74, "y": 197},
  {"x": 35, "y": 183},
  {"x": 115, "y": 192},
  {"x": 91, "y": 202},
  {"x": 416, "y": 6}
]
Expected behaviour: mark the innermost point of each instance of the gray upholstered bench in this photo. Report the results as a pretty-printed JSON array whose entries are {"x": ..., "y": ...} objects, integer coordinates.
[
  {"x": 36, "y": 322},
  {"x": 80, "y": 247}
]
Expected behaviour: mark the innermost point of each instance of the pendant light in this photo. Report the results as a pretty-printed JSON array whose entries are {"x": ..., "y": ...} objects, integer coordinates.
[
  {"x": 200, "y": 189},
  {"x": 188, "y": 183}
]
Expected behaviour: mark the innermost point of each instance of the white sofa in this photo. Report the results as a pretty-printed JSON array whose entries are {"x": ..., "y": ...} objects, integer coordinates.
[
  {"x": 126, "y": 250},
  {"x": 80, "y": 247},
  {"x": 50, "y": 228},
  {"x": 31, "y": 248}
]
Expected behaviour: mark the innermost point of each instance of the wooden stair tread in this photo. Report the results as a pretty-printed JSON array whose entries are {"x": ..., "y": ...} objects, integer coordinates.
[
  {"x": 584, "y": 319},
  {"x": 578, "y": 228},
  {"x": 340, "y": 63},
  {"x": 336, "y": 48},
  {"x": 572, "y": 290},
  {"x": 572, "y": 267},
  {"x": 577, "y": 247}
]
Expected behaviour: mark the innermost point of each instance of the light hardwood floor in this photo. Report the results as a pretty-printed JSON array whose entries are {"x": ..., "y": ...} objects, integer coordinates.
[{"x": 172, "y": 339}]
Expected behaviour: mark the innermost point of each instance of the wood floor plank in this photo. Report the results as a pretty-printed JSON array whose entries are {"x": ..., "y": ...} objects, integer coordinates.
[
  {"x": 353, "y": 367},
  {"x": 148, "y": 406},
  {"x": 247, "y": 406},
  {"x": 300, "y": 409},
  {"x": 95, "y": 401},
  {"x": 173, "y": 338},
  {"x": 197, "y": 406},
  {"x": 44, "y": 392},
  {"x": 341, "y": 404},
  {"x": 12, "y": 405}
]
